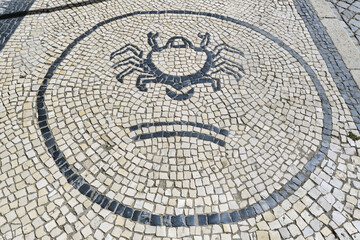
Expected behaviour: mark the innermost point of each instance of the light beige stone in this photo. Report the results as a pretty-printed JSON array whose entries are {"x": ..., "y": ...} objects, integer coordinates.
[
  {"x": 262, "y": 235},
  {"x": 343, "y": 43},
  {"x": 322, "y": 9}
]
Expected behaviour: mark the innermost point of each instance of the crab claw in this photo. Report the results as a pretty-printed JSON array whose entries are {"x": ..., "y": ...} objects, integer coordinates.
[
  {"x": 152, "y": 40},
  {"x": 205, "y": 39}
]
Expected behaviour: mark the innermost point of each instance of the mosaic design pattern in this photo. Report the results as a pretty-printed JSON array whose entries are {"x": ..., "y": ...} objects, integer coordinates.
[
  {"x": 78, "y": 179},
  {"x": 37, "y": 203},
  {"x": 151, "y": 72}
]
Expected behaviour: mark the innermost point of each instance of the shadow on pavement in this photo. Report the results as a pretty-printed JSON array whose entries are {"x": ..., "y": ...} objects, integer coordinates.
[{"x": 48, "y": 10}]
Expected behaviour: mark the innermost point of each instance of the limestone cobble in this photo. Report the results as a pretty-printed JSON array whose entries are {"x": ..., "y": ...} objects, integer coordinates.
[{"x": 348, "y": 12}]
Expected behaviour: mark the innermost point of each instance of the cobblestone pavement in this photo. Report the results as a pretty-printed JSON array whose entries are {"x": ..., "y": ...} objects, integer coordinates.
[
  {"x": 348, "y": 11},
  {"x": 3, "y": 5},
  {"x": 175, "y": 120}
]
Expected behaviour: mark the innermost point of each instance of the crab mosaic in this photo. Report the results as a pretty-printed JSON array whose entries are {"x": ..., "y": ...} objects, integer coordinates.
[
  {"x": 150, "y": 72},
  {"x": 183, "y": 151}
]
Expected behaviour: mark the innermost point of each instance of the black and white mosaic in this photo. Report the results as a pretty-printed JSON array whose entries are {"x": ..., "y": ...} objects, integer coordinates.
[
  {"x": 127, "y": 120},
  {"x": 171, "y": 71},
  {"x": 240, "y": 125}
]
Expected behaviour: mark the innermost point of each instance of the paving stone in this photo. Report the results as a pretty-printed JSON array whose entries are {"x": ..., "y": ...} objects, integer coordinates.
[
  {"x": 338, "y": 218},
  {"x": 307, "y": 232},
  {"x": 342, "y": 234},
  {"x": 274, "y": 235},
  {"x": 348, "y": 12},
  {"x": 357, "y": 225},
  {"x": 262, "y": 235}
]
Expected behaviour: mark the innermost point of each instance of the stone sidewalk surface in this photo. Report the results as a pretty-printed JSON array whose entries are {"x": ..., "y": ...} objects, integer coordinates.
[
  {"x": 348, "y": 11},
  {"x": 178, "y": 120}
]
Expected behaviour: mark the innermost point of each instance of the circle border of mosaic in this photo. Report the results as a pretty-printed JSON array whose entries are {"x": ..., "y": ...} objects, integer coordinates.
[{"x": 153, "y": 219}]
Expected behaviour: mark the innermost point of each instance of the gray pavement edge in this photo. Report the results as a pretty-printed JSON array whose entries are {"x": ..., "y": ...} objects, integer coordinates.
[{"x": 345, "y": 46}]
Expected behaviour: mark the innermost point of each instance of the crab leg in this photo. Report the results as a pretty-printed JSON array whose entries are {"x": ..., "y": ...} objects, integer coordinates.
[
  {"x": 128, "y": 47},
  {"x": 128, "y": 61},
  {"x": 226, "y": 47},
  {"x": 229, "y": 63},
  {"x": 127, "y": 71},
  {"x": 228, "y": 70}
]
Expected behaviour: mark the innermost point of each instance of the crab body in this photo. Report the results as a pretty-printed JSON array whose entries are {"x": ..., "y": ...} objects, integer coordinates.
[{"x": 150, "y": 72}]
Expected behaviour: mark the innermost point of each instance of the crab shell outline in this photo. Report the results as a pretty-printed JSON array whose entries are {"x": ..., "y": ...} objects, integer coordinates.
[{"x": 150, "y": 73}]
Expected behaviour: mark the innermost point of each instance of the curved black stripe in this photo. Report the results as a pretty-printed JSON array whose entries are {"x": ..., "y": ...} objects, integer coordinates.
[
  {"x": 199, "y": 125},
  {"x": 168, "y": 134}
]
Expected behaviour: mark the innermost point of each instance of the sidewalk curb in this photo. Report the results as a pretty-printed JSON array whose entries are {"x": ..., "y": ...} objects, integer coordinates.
[{"x": 345, "y": 46}]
